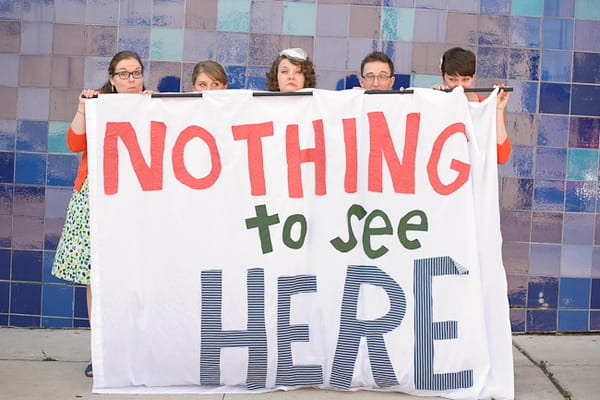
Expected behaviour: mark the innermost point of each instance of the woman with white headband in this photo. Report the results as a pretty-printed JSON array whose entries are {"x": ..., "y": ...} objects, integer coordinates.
[{"x": 292, "y": 70}]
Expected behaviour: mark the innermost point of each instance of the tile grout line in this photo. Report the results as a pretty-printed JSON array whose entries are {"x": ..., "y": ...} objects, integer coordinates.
[{"x": 542, "y": 366}]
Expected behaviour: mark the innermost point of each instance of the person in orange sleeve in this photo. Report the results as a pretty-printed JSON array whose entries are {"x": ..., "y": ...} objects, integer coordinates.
[
  {"x": 458, "y": 69},
  {"x": 72, "y": 259}
]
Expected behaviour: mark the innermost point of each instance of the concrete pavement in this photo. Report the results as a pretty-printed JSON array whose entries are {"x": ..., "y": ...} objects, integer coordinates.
[{"x": 49, "y": 363}]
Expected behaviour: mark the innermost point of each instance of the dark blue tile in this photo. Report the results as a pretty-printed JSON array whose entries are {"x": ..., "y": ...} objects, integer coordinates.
[
  {"x": 517, "y": 290},
  {"x": 57, "y": 322},
  {"x": 7, "y": 167},
  {"x": 542, "y": 292},
  {"x": 4, "y": 264},
  {"x": 236, "y": 76},
  {"x": 517, "y": 320},
  {"x": 581, "y": 196},
  {"x": 573, "y": 321},
  {"x": 62, "y": 169},
  {"x": 541, "y": 321},
  {"x": 30, "y": 169},
  {"x": 256, "y": 78},
  {"x": 27, "y": 265},
  {"x": 524, "y": 64},
  {"x": 80, "y": 306},
  {"x": 24, "y": 321},
  {"x": 29, "y": 201},
  {"x": 8, "y": 134},
  {"x": 584, "y": 132},
  {"x": 549, "y": 195},
  {"x": 52, "y": 231},
  {"x": 552, "y": 131},
  {"x": 555, "y": 98},
  {"x": 6, "y": 199},
  {"x": 492, "y": 62},
  {"x": 57, "y": 301},
  {"x": 550, "y": 163},
  {"x": 81, "y": 323},
  {"x": 585, "y": 100},
  {"x": 559, "y": 8},
  {"x": 556, "y": 66},
  {"x": 495, "y": 6},
  {"x": 595, "y": 298},
  {"x": 4, "y": 292},
  {"x": 557, "y": 33},
  {"x": 594, "y": 320},
  {"x": 32, "y": 136},
  {"x": 586, "y": 67},
  {"x": 25, "y": 298},
  {"x": 47, "y": 268},
  {"x": 574, "y": 293},
  {"x": 3, "y": 319}
]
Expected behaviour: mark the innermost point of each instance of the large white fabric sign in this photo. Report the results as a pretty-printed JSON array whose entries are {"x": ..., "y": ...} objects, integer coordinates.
[{"x": 337, "y": 240}]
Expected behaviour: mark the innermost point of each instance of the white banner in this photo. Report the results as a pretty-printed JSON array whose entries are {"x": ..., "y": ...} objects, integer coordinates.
[{"x": 338, "y": 240}]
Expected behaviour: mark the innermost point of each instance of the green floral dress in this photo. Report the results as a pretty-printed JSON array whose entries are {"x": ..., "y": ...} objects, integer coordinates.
[{"x": 72, "y": 259}]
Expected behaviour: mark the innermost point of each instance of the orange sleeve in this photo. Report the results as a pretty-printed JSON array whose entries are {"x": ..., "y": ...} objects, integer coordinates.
[
  {"x": 77, "y": 144},
  {"x": 504, "y": 150}
]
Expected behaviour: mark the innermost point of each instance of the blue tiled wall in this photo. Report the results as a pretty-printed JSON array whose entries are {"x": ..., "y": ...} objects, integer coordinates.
[{"x": 547, "y": 50}]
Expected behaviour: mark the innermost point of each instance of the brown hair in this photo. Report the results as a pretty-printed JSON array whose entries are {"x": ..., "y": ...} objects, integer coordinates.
[
  {"x": 458, "y": 61},
  {"x": 120, "y": 56},
  {"x": 377, "y": 56},
  {"x": 306, "y": 67},
  {"x": 212, "y": 69}
]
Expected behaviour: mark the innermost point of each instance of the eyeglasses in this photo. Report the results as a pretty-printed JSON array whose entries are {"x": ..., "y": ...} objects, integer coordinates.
[
  {"x": 137, "y": 74},
  {"x": 372, "y": 77}
]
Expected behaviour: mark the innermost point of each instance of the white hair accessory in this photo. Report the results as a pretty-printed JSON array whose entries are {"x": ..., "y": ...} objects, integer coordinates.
[{"x": 296, "y": 53}]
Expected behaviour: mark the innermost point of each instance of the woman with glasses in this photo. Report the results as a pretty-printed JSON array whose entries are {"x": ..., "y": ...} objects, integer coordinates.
[
  {"x": 208, "y": 75},
  {"x": 292, "y": 70},
  {"x": 72, "y": 259}
]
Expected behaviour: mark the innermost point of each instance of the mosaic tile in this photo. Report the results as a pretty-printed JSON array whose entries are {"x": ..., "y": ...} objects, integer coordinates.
[
  {"x": 364, "y": 22},
  {"x": 4, "y": 272},
  {"x": 36, "y": 38},
  {"x": 426, "y": 58},
  {"x": 25, "y": 298},
  {"x": 27, "y": 265},
  {"x": 587, "y": 36},
  {"x": 584, "y": 132},
  {"x": 48, "y": 259},
  {"x": 168, "y": 13},
  {"x": 64, "y": 103},
  {"x": 495, "y": 6},
  {"x": 549, "y": 195},
  {"x": 430, "y": 26},
  {"x": 557, "y": 33},
  {"x": 401, "y": 55},
  {"x": 554, "y": 98},
  {"x": 524, "y": 64},
  {"x": 586, "y": 67},
  {"x": 6, "y": 199},
  {"x": 515, "y": 257},
  {"x": 38, "y": 10},
  {"x": 532, "y": 8},
  {"x": 461, "y": 29},
  {"x": 574, "y": 293},
  {"x": 61, "y": 169},
  {"x": 553, "y": 131},
  {"x": 133, "y": 38},
  {"x": 69, "y": 11},
  {"x": 7, "y": 167},
  {"x": 30, "y": 169},
  {"x": 263, "y": 49},
  {"x": 556, "y": 66},
  {"x": 33, "y": 104},
  {"x": 357, "y": 50},
  {"x": 517, "y": 290},
  {"x": 517, "y": 194},
  {"x": 331, "y": 80},
  {"x": 596, "y": 258},
  {"x": 10, "y": 69},
  {"x": 8, "y": 102},
  {"x": 135, "y": 12},
  {"x": 32, "y": 136},
  {"x": 101, "y": 41},
  {"x": 80, "y": 306},
  {"x": 582, "y": 164},
  {"x": 573, "y": 321},
  {"x": 57, "y": 301},
  {"x": 492, "y": 62},
  {"x": 585, "y": 100},
  {"x": 34, "y": 70},
  {"x": 520, "y": 163},
  {"x": 6, "y": 231},
  {"x": 299, "y": 19},
  {"x": 422, "y": 80},
  {"x": 256, "y": 78},
  {"x": 11, "y": 10},
  {"x": 559, "y": 8},
  {"x": 576, "y": 261},
  {"x": 232, "y": 48},
  {"x": 494, "y": 30},
  {"x": 587, "y": 9},
  {"x": 166, "y": 44},
  {"x": 595, "y": 295},
  {"x": 29, "y": 201},
  {"x": 47, "y": 322},
  {"x": 542, "y": 292},
  {"x": 578, "y": 228},
  {"x": 594, "y": 320},
  {"x": 24, "y": 321},
  {"x": 515, "y": 225},
  {"x": 103, "y": 12},
  {"x": 544, "y": 260},
  {"x": 57, "y": 137},
  {"x": 581, "y": 196},
  {"x": 397, "y": 24},
  {"x": 330, "y": 53},
  {"x": 435, "y": 4},
  {"x": 162, "y": 74},
  {"x": 525, "y": 32},
  {"x": 27, "y": 233},
  {"x": 236, "y": 76},
  {"x": 67, "y": 72},
  {"x": 332, "y": 20},
  {"x": 267, "y": 17},
  {"x": 201, "y": 14},
  {"x": 10, "y": 36},
  {"x": 550, "y": 163},
  {"x": 517, "y": 320},
  {"x": 522, "y": 128},
  {"x": 8, "y": 134},
  {"x": 67, "y": 39},
  {"x": 546, "y": 227},
  {"x": 233, "y": 15}
]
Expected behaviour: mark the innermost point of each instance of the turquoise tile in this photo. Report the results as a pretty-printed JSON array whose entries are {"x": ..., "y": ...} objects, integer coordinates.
[
  {"x": 299, "y": 19},
  {"x": 398, "y": 24},
  {"x": 587, "y": 9},
  {"x": 233, "y": 15},
  {"x": 531, "y": 8},
  {"x": 424, "y": 81},
  {"x": 582, "y": 165},
  {"x": 57, "y": 141},
  {"x": 166, "y": 44}
]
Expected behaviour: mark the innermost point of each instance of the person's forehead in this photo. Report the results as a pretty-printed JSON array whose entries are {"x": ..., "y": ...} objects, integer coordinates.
[
  {"x": 287, "y": 63},
  {"x": 128, "y": 63},
  {"x": 376, "y": 67}
]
